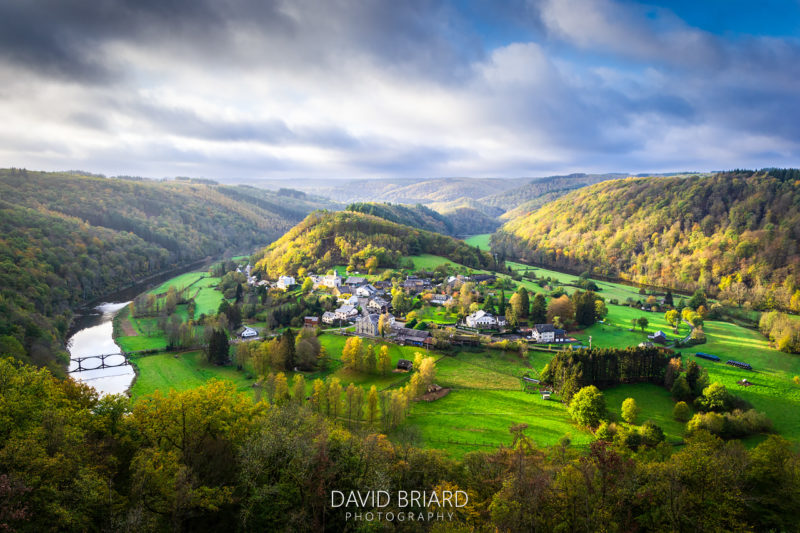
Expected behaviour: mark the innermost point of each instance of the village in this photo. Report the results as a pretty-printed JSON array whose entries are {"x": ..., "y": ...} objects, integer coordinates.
[{"x": 365, "y": 309}]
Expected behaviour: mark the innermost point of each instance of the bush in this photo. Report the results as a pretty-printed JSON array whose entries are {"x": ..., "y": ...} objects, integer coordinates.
[
  {"x": 681, "y": 412},
  {"x": 652, "y": 434},
  {"x": 731, "y": 425},
  {"x": 630, "y": 410}
]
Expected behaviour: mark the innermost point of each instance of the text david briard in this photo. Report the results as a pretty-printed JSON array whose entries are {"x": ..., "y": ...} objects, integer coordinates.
[{"x": 411, "y": 505}]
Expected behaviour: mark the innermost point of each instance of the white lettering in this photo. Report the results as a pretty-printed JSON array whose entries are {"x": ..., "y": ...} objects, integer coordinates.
[{"x": 335, "y": 493}]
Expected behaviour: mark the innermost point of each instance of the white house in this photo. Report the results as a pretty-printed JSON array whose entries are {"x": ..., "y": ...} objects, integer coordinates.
[
  {"x": 547, "y": 333},
  {"x": 378, "y": 305},
  {"x": 331, "y": 280},
  {"x": 440, "y": 299},
  {"x": 328, "y": 317},
  {"x": 345, "y": 312},
  {"x": 365, "y": 291},
  {"x": 351, "y": 300},
  {"x": 249, "y": 333},
  {"x": 284, "y": 282},
  {"x": 482, "y": 319}
]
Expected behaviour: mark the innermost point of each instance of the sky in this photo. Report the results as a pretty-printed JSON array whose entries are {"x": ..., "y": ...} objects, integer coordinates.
[{"x": 292, "y": 89}]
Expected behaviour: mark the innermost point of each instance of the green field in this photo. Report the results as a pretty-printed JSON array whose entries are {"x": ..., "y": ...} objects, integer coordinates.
[
  {"x": 437, "y": 314},
  {"x": 481, "y": 240},
  {"x": 429, "y": 262},
  {"x": 179, "y": 282},
  {"x": 655, "y": 402},
  {"x": 182, "y": 371},
  {"x": 469, "y": 420},
  {"x": 773, "y": 392}
]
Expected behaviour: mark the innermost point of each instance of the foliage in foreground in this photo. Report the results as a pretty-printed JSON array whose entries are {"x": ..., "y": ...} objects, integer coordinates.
[{"x": 210, "y": 459}]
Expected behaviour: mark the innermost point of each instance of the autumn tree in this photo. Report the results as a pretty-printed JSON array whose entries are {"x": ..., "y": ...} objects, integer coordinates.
[
  {"x": 384, "y": 361},
  {"x": 561, "y": 307}
]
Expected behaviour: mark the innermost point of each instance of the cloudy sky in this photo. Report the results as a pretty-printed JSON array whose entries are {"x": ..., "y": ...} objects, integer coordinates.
[{"x": 251, "y": 89}]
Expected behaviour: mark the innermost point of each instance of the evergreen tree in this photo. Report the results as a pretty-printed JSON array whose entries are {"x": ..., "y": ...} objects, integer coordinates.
[{"x": 538, "y": 310}]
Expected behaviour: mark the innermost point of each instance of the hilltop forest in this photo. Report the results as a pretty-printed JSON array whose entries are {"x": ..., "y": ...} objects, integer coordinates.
[
  {"x": 67, "y": 239},
  {"x": 733, "y": 234},
  {"x": 365, "y": 242}
]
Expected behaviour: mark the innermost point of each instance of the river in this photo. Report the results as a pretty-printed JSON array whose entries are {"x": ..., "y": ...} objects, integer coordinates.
[
  {"x": 93, "y": 336},
  {"x": 91, "y": 333}
]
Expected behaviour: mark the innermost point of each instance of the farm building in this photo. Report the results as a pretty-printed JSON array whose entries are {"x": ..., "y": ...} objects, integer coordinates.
[
  {"x": 707, "y": 356},
  {"x": 659, "y": 336},
  {"x": 311, "y": 321},
  {"x": 739, "y": 364},
  {"x": 405, "y": 364},
  {"x": 413, "y": 337}
]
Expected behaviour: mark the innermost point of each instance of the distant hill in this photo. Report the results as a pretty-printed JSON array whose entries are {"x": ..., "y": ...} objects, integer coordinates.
[
  {"x": 681, "y": 232},
  {"x": 416, "y": 216},
  {"x": 549, "y": 187},
  {"x": 414, "y": 191},
  {"x": 66, "y": 239},
  {"x": 457, "y": 220},
  {"x": 325, "y": 239}
]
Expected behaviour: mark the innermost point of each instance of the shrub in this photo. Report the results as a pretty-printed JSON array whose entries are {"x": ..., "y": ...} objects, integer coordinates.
[
  {"x": 630, "y": 410},
  {"x": 651, "y": 433},
  {"x": 681, "y": 412}
]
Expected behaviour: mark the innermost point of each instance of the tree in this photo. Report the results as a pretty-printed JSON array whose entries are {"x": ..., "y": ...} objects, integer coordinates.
[
  {"x": 561, "y": 307},
  {"x": 372, "y": 407},
  {"x": 319, "y": 396},
  {"x": 281, "y": 389},
  {"x": 522, "y": 305},
  {"x": 672, "y": 317},
  {"x": 681, "y": 412},
  {"x": 680, "y": 389},
  {"x": 353, "y": 353},
  {"x": 308, "y": 286},
  {"x": 642, "y": 322},
  {"x": 715, "y": 398},
  {"x": 287, "y": 349},
  {"x": 630, "y": 410},
  {"x": 651, "y": 433},
  {"x": 538, "y": 310},
  {"x": 698, "y": 299},
  {"x": 334, "y": 397},
  {"x": 370, "y": 361},
  {"x": 384, "y": 361},
  {"x": 384, "y": 325},
  {"x": 585, "y": 308},
  {"x": 299, "y": 389},
  {"x": 600, "y": 309},
  {"x": 218, "y": 346},
  {"x": 501, "y": 305},
  {"x": 427, "y": 373},
  {"x": 668, "y": 298},
  {"x": 588, "y": 406}
]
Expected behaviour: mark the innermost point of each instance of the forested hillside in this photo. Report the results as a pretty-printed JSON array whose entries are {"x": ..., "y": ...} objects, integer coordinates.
[
  {"x": 455, "y": 221},
  {"x": 67, "y": 239},
  {"x": 325, "y": 239},
  {"x": 540, "y": 187},
  {"x": 733, "y": 234},
  {"x": 417, "y": 216}
]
